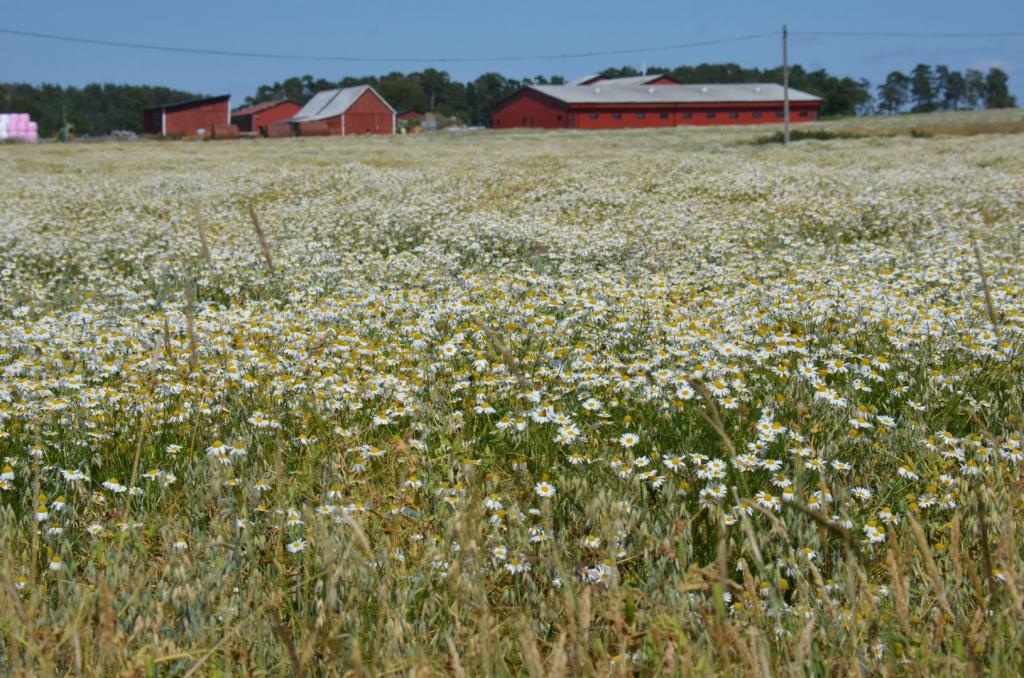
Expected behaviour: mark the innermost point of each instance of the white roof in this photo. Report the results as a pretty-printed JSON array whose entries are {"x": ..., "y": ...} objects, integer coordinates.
[
  {"x": 603, "y": 93},
  {"x": 333, "y": 102}
]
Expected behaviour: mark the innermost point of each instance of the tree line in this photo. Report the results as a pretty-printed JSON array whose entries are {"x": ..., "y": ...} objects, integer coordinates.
[
  {"x": 98, "y": 109},
  {"x": 931, "y": 88},
  {"x": 95, "y": 109}
]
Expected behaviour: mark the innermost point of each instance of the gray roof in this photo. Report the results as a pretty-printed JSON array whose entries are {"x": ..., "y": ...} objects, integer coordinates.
[
  {"x": 333, "y": 102},
  {"x": 603, "y": 93}
]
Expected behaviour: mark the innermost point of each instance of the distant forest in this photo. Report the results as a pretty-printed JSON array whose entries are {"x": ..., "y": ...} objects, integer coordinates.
[
  {"x": 928, "y": 89},
  {"x": 100, "y": 109},
  {"x": 94, "y": 109}
]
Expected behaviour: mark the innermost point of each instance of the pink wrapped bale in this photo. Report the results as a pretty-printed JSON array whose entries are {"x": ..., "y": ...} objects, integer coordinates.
[{"x": 18, "y": 127}]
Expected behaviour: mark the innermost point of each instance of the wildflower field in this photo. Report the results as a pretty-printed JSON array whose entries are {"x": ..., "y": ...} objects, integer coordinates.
[{"x": 627, "y": 403}]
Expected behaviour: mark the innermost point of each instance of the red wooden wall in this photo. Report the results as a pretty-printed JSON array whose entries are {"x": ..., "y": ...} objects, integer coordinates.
[
  {"x": 708, "y": 114},
  {"x": 282, "y": 111},
  {"x": 530, "y": 109},
  {"x": 188, "y": 119},
  {"x": 317, "y": 128},
  {"x": 369, "y": 115}
]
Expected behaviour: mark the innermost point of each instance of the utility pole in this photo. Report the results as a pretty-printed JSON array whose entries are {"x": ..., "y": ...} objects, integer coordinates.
[{"x": 785, "y": 84}]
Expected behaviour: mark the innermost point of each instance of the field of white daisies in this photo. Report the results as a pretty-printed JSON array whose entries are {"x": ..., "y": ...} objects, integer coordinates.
[{"x": 629, "y": 403}]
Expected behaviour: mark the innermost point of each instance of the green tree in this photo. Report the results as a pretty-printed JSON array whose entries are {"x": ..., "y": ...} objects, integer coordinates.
[
  {"x": 894, "y": 93},
  {"x": 95, "y": 109},
  {"x": 942, "y": 76},
  {"x": 954, "y": 90},
  {"x": 974, "y": 87},
  {"x": 485, "y": 92},
  {"x": 840, "y": 96},
  {"x": 403, "y": 93},
  {"x": 922, "y": 88},
  {"x": 624, "y": 72},
  {"x": 436, "y": 86},
  {"x": 997, "y": 90}
]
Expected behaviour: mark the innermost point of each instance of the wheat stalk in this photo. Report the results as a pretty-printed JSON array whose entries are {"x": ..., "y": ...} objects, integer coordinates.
[
  {"x": 262, "y": 238},
  {"x": 201, "y": 225}
]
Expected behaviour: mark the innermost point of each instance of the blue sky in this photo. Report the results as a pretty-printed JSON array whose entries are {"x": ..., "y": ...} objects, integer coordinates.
[{"x": 413, "y": 28}]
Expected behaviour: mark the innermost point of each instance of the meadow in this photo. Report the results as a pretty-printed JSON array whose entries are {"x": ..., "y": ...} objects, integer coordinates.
[{"x": 626, "y": 403}]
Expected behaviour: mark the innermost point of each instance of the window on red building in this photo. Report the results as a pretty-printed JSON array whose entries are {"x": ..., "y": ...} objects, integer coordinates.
[
  {"x": 757, "y": 114},
  {"x": 710, "y": 114},
  {"x": 617, "y": 116},
  {"x": 663, "y": 116},
  {"x": 734, "y": 114},
  {"x": 640, "y": 115}
]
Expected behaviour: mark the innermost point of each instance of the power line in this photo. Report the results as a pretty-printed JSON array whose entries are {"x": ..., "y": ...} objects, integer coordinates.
[
  {"x": 365, "y": 59},
  {"x": 504, "y": 58},
  {"x": 870, "y": 34}
]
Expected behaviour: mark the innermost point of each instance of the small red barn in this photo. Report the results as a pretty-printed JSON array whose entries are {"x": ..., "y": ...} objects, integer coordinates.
[
  {"x": 649, "y": 101},
  {"x": 351, "y": 110},
  {"x": 407, "y": 120},
  {"x": 258, "y": 117},
  {"x": 186, "y": 117}
]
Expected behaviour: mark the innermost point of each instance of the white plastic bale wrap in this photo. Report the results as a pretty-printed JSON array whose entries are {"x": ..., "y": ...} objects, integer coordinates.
[{"x": 18, "y": 126}]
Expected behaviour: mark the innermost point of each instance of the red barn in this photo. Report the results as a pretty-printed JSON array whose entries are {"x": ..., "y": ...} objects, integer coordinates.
[
  {"x": 186, "y": 117},
  {"x": 649, "y": 101},
  {"x": 351, "y": 110},
  {"x": 258, "y": 117}
]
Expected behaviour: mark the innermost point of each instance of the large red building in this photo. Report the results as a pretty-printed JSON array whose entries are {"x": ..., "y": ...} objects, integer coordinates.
[
  {"x": 187, "y": 117},
  {"x": 351, "y": 110},
  {"x": 258, "y": 117},
  {"x": 649, "y": 101}
]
